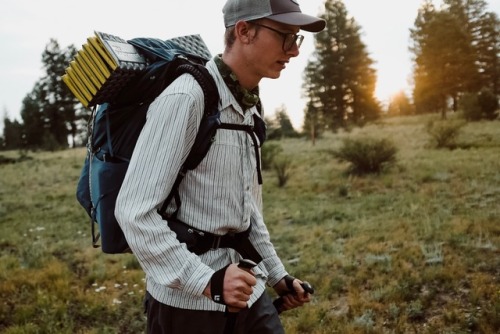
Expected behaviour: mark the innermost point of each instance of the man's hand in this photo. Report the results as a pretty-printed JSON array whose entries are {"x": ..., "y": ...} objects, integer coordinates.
[
  {"x": 237, "y": 287},
  {"x": 291, "y": 299}
]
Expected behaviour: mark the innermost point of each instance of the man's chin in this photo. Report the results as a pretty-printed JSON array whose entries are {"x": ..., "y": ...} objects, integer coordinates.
[{"x": 274, "y": 75}]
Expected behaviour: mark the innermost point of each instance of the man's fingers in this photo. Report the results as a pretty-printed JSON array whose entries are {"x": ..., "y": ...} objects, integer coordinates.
[
  {"x": 290, "y": 303},
  {"x": 302, "y": 288},
  {"x": 238, "y": 286}
]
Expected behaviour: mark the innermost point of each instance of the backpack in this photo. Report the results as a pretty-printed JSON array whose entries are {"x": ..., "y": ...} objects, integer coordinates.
[{"x": 115, "y": 126}]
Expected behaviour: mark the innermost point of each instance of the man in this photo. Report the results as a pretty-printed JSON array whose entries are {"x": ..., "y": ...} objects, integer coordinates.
[{"x": 191, "y": 291}]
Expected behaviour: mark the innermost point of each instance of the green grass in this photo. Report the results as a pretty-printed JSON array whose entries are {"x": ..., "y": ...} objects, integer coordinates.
[{"x": 412, "y": 250}]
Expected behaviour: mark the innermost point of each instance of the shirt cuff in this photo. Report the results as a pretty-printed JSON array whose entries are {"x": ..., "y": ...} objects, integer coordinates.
[
  {"x": 276, "y": 274},
  {"x": 199, "y": 281}
]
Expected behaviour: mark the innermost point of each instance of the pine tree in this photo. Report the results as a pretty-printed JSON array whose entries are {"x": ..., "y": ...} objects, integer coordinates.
[
  {"x": 488, "y": 51},
  {"x": 444, "y": 61},
  {"x": 400, "y": 105},
  {"x": 339, "y": 82},
  {"x": 314, "y": 125},
  {"x": 284, "y": 122},
  {"x": 280, "y": 126},
  {"x": 34, "y": 122},
  {"x": 49, "y": 111},
  {"x": 12, "y": 134},
  {"x": 455, "y": 52}
]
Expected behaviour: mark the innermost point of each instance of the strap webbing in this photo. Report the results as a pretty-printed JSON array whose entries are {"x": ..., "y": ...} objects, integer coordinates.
[
  {"x": 108, "y": 132},
  {"x": 250, "y": 130}
]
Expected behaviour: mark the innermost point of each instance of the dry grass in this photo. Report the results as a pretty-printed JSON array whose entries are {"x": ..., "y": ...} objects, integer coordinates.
[
  {"x": 400, "y": 252},
  {"x": 413, "y": 250}
]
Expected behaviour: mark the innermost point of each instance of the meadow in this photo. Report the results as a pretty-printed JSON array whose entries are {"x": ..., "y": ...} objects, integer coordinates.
[{"x": 414, "y": 249}]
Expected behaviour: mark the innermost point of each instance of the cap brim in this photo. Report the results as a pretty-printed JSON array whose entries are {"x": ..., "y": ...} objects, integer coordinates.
[{"x": 304, "y": 21}]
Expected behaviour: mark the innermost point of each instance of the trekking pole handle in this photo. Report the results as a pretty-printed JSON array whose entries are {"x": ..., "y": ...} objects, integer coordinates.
[
  {"x": 246, "y": 265},
  {"x": 307, "y": 287},
  {"x": 278, "y": 302}
]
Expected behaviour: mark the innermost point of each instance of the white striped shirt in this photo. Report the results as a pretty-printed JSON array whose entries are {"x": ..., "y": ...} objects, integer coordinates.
[{"x": 221, "y": 195}]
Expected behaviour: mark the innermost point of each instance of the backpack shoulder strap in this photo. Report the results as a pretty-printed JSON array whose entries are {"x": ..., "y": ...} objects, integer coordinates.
[
  {"x": 206, "y": 82},
  {"x": 209, "y": 124},
  {"x": 211, "y": 114}
]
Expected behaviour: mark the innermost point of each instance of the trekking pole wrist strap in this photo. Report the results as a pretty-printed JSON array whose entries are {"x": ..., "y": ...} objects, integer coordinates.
[
  {"x": 217, "y": 286},
  {"x": 289, "y": 283}
]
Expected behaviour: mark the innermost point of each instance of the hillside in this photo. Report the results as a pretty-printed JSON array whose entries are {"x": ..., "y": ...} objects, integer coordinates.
[{"x": 412, "y": 250}]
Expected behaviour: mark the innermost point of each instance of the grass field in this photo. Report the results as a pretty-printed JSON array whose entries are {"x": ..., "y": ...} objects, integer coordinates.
[{"x": 412, "y": 250}]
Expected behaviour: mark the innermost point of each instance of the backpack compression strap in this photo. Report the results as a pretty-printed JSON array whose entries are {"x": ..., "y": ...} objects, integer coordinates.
[{"x": 250, "y": 130}]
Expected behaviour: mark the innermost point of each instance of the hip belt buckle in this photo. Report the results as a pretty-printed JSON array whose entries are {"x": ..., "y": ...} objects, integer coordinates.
[{"x": 216, "y": 241}]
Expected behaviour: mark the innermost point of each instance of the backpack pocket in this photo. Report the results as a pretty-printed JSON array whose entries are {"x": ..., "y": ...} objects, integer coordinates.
[
  {"x": 105, "y": 181},
  {"x": 83, "y": 188}
]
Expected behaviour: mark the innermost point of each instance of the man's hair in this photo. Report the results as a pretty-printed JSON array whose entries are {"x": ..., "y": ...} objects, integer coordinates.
[{"x": 229, "y": 37}]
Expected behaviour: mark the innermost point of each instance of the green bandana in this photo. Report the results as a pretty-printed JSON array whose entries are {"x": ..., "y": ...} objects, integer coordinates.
[{"x": 247, "y": 99}]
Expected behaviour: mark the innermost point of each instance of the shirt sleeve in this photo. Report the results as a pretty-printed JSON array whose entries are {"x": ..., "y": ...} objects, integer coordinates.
[
  {"x": 168, "y": 134},
  {"x": 261, "y": 240}
]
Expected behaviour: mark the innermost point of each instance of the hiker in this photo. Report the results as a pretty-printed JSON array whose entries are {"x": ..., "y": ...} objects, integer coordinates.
[{"x": 192, "y": 276}]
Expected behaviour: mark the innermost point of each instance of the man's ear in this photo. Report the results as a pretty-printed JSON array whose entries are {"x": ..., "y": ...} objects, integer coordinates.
[{"x": 243, "y": 32}]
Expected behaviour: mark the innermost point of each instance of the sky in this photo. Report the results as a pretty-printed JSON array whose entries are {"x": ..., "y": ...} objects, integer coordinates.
[{"x": 26, "y": 27}]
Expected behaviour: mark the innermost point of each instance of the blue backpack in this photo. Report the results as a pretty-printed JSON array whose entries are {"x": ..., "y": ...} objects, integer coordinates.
[{"x": 115, "y": 127}]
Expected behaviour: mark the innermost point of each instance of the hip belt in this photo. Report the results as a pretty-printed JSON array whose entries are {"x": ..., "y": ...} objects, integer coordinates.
[{"x": 200, "y": 242}]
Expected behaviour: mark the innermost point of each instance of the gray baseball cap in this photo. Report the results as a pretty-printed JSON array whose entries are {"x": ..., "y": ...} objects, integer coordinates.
[{"x": 283, "y": 11}]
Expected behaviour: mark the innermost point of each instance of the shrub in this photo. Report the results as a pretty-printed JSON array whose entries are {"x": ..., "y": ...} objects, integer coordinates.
[
  {"x": 470, "y": 107},
  {"x": 365, "y": 321},
  {"x": 415, "y": 310},
  {"x": 23, "y": 156},
  {"x": 282, "y": 165},
  {"x": 367, "y": 155},
  {"x": 269, "y": 151},
  {"x": 477, "y": 106},
  {"x": 7, "y": 160},
  {"x": 444, "y": 133},
  {"x": 488, "y": 103}
]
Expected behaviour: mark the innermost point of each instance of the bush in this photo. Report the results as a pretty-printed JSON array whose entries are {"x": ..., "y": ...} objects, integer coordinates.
[
  {"x": 23, "y": 156},
  {"x": 470, "y": 107},
  {"x": 367, "y": 155},
  {"x": 269, "y": 151},
  {"x": 6, "y": 160},
  {"x": 477, "y": 106},
  {"x": 488, "y": 103},
  {"x": 444, "y": 133},
  {"x": 282, "y": 165}
]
